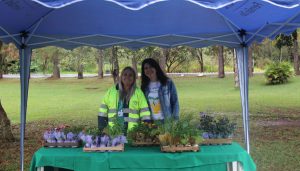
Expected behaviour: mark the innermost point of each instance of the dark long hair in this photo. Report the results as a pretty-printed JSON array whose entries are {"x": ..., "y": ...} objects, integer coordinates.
[{"x": 161, "y": 76}]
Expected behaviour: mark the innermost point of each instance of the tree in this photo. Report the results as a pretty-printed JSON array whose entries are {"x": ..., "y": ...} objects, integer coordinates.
[
  {"x": 221, "y": 73},
  {"x": 48, "y": 59},
  {"x": 100, "y": 62},
  {"x": 5, "y": 128},
  {"x": 175, "y": 57},
  {"x": 235, "y": 69},
  {"x": 52, "y": 54},
  {"x": 115, "y": 64},
  {"x": 198, "y": 54},
  {"x": 137, "y": 56},
  {"x": 78, "y": 58},
  {"x": 161, "y": 55},
  {"x": 250, "y": 62},
  {"x": 134, "y": 62},
  {"x": 9, "y": 59},
  {"x": 295, "y": 52},
  {"x": 163, "y": 58},
  {"x": 212, "y": 53},
  {"x": 80, "y": 71},
  {"x": 125, "y": 53},
  {"x": 283, "y": 40},
  {"x": 55, "y": 61},
  {"x": 42, "y": 58}
]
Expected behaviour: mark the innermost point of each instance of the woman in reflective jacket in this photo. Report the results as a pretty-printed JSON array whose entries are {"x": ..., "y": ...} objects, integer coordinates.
[
  {"x": 160, "y": 91},
  {"x": 124, "y": 100}
]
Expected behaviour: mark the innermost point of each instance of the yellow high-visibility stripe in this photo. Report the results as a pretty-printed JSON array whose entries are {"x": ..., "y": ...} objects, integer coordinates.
[
  {"x": 102, "y": 110},
  {"x": 111, "y": 115}
]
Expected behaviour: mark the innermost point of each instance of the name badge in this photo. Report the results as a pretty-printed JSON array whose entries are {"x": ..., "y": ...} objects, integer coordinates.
[{"x": 120, "y": 113}]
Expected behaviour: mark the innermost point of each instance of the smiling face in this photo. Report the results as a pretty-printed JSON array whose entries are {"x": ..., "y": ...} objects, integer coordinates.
[
  {"x": 127, "y": 78},
  {"x": 150, "y": 72}
]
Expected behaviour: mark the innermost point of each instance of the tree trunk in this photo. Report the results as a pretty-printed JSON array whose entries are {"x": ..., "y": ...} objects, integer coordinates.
[
  {"x": 221, "y": 73},
  {"x": 80, "y": 71},
  {"x": 100, "y": 63},
  {"x": 134, "y": 65},
  {"x": 250, "y": 62},
  {"x": 270, "y": 49},
  {"x": 115, "y": 64},
  {"x": 280, "y": 56},
  {"x": 5, "y": 129},
  {"x": 1, "y": 62},
  {"x": 56, "y": 71},
  {"x": 290, "y": 53},
  {"x": 233, "y": 59},
  {"x": 198, "y": 53},
  {"x": 295, "y": 53},
  {"x": 163, "y": 59},
  {"x": 45, "y": 65},
  {"x": 200, "y": 60},
  {"x": 236, "y": 71}
]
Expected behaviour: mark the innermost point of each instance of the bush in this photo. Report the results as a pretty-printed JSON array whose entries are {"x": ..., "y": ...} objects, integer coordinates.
[
  {"x": 210, "y": 68},
  {"x": 278, "y": 73},
  {"x": 13, "y": 67}
]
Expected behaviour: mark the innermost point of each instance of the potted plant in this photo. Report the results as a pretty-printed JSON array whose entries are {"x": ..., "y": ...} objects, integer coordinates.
[
  {"x": 179, "y": 135},
  {"x": 110, "y": 139},
  {"x": 216, "y": 130},
  {"x": 61, "y": 136},
  {"x": 143, "y": 134}
]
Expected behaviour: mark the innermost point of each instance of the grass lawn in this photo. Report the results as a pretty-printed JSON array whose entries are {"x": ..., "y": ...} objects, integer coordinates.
[{"x": 275, "y": 145}]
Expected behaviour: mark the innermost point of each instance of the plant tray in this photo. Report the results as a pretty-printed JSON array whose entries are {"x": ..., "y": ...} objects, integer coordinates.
[
  {"x": 141, "y": 144},
  {"x": 218, "y": 141},
  {"x": 174, "y": 149},
  {"x": 119, "y": 148},
  {"x": 64, "y": 145}
]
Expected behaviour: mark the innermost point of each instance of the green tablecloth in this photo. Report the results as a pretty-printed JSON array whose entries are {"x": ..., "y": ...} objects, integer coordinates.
[{"x": 143, "y": 158}]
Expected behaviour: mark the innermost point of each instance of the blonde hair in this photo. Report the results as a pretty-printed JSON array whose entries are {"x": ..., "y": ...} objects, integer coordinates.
[{"x": 125, "y": 96}]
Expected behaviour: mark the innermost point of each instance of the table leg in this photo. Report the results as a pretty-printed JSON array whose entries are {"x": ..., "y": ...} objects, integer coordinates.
[
  {"x": 234, "y": 166},
  {"x": 40, "y": 169}
]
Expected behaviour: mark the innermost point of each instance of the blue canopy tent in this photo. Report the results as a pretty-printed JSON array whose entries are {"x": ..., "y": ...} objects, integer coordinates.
[{"x": 134, "y": 24}]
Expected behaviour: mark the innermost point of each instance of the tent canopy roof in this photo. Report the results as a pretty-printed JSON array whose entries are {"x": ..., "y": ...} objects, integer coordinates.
[{"x": 139, "y": 23}]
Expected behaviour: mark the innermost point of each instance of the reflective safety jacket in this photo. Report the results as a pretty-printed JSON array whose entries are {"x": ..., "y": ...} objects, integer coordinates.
[{"x": 138, "y": 107}]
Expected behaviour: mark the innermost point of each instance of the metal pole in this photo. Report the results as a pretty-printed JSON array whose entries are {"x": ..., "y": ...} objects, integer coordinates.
[
  {"x": 25, "y": 55},
  {"x": 242, "y": 56},
  {"x": 246, "y": 94},
  {"x": 22, "y": 126}
]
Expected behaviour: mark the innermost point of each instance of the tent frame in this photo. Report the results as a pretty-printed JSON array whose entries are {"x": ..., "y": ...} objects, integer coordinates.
[
  {"x": 25, "y": 59},
  {"x": 25, "y": 50}
]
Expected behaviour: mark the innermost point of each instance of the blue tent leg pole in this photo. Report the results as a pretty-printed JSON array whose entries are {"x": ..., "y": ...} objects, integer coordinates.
[
  {"x": 25, "y": 55},
  {"x": 242, "y": 58}
]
